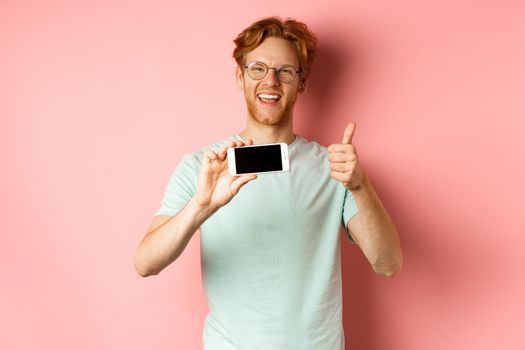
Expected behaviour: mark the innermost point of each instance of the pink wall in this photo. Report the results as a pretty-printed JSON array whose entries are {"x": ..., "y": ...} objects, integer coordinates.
[{"x": 99, "y": 100}]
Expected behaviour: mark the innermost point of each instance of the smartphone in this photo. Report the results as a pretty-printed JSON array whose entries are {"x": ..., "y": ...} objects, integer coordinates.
[{"x": 256, "y": 159}]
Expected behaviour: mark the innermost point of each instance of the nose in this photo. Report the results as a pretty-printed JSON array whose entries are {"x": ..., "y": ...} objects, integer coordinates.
[{"x": 271, "y": 77}]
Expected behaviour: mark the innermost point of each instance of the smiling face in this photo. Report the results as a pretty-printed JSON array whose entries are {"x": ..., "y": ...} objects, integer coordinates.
[{"x": 269, "y": 101}]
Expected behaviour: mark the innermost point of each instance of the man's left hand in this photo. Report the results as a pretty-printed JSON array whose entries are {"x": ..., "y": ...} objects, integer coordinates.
[{"x": 344, "y": 164}]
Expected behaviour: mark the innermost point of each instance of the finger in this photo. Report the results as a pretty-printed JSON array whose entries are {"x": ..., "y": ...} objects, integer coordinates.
[
  {"x": 210, "y": 155},
  {"x": 343, "y": 177},
  {"x": 223, "y": 150},
  {"x": 341, "y": 157},
  {"x": 349, "y": 133},
  {"x": 208, "y": 159},
  {"x": 223, "y": 155},
  {"x": 342, "y": 167},
  {"x": 225, "y": 147},
  {"x": 249, "y": 142},
  {"x": 240, "y": 181},
  {"x": 340, "y": 147}
]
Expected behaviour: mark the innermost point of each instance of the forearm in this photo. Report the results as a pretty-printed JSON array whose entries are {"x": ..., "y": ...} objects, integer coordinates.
[
  {"x": 162, "y": 246},
  {"x": 374, "y": 231}
]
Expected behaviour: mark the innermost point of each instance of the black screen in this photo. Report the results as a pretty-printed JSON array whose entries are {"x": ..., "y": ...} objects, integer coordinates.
[{"x": 258, "y": 159}]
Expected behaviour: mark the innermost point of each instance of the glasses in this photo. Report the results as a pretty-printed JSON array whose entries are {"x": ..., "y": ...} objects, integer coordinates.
[{"x": 286, "y": 73}]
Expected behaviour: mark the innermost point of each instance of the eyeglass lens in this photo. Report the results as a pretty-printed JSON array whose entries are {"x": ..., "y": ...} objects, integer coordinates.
[{"x": 258, "y": 71}]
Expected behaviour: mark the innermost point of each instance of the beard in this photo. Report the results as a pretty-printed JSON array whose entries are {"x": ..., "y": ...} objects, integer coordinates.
[{"x": 277, "y": 117}]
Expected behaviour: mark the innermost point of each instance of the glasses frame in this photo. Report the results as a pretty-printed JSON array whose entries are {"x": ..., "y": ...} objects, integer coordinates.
[{"x": 297, "y": 71}]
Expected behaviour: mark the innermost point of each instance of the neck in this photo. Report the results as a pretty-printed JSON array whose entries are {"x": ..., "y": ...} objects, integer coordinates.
[{"x": 261, "y": 133}]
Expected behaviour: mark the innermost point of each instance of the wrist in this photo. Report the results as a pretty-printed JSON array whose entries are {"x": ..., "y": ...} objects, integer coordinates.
[
  {"x": 201, "y": 209},
  {"x": 358, "y": 186},
  {"x": 365, "y": 192}
]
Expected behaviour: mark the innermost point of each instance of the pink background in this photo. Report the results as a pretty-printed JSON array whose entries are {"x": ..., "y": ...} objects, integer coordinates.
[{"x": 100, "y": 99}]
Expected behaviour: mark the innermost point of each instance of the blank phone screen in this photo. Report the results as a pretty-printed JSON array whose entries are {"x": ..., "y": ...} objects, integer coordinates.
[{"x": 258, "y": 159}]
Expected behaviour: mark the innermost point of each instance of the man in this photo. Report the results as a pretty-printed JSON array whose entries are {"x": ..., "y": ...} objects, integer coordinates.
[{"x": 269, "y": 243}]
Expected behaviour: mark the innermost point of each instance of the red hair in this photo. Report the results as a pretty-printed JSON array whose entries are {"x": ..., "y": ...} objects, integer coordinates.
[{"x": 295, "y": 32}]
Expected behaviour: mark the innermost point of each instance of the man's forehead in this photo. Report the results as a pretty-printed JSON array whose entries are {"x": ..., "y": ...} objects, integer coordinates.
[{"x": 274, "y": 50}]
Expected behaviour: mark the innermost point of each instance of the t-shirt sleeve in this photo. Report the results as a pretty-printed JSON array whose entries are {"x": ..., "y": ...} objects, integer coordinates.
[
  {"x": 181, "y": 187},
  {"x": 349, "y": 210}
]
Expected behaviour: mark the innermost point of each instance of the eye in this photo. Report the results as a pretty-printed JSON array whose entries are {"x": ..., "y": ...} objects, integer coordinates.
[
  {"x": 257, "y": 67},
  {"x": 286, "y": 70}
]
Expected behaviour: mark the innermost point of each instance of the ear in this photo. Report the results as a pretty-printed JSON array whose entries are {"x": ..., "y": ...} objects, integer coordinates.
[
  {"x": 239, "y": 77},
  {"x": 302, "y": 85}
]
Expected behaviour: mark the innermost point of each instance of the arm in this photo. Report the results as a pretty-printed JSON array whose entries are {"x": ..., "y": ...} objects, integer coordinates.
[
  {"x": 372, "y": 228},
  {"x": 374, "y": 232},
  {"x": 164, "y": 244},
  {"x": 168, "y": 236}
]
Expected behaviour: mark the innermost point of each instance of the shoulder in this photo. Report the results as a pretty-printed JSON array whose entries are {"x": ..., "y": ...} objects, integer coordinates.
[{"x": 311, "y": 149}]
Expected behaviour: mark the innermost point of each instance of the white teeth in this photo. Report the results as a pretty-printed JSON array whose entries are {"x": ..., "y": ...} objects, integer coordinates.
[{"x": 267, "y": 96}]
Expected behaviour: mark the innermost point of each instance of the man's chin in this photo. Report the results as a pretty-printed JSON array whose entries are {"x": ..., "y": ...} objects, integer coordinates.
[
  {"x": 270, "y": 119},
  {"x": 263, "y": 116}
]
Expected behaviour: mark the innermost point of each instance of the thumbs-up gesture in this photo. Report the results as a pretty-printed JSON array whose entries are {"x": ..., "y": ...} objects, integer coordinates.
[{"x": 344, "y": 164}]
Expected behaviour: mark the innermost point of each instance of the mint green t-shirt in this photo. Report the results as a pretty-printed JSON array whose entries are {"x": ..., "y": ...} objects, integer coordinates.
[{"x": 270, "y": 258}]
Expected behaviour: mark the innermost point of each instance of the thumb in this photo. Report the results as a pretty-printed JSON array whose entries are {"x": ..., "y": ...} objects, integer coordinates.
[
  {"x": 239, "y": 181},
  {"x": 349, "y": 133}
]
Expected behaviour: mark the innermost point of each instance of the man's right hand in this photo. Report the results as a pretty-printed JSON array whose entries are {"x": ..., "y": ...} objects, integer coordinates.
[
  {"x": 216, "y": 187},
  {"x": 168, "y": 236}
]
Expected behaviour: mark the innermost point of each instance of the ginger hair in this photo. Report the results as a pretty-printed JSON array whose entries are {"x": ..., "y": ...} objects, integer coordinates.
[{"x": 294, "y": 31}]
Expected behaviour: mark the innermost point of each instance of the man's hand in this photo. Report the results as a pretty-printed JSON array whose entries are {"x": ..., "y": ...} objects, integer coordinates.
[
  {"x": 216, "y": 187},
  {"x": 344, "y": 164}
]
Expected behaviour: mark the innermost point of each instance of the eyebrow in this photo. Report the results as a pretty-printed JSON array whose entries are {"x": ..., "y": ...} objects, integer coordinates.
[
  {"x": 279, "y": 65},
  {"x": 265, "y": 61}
]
